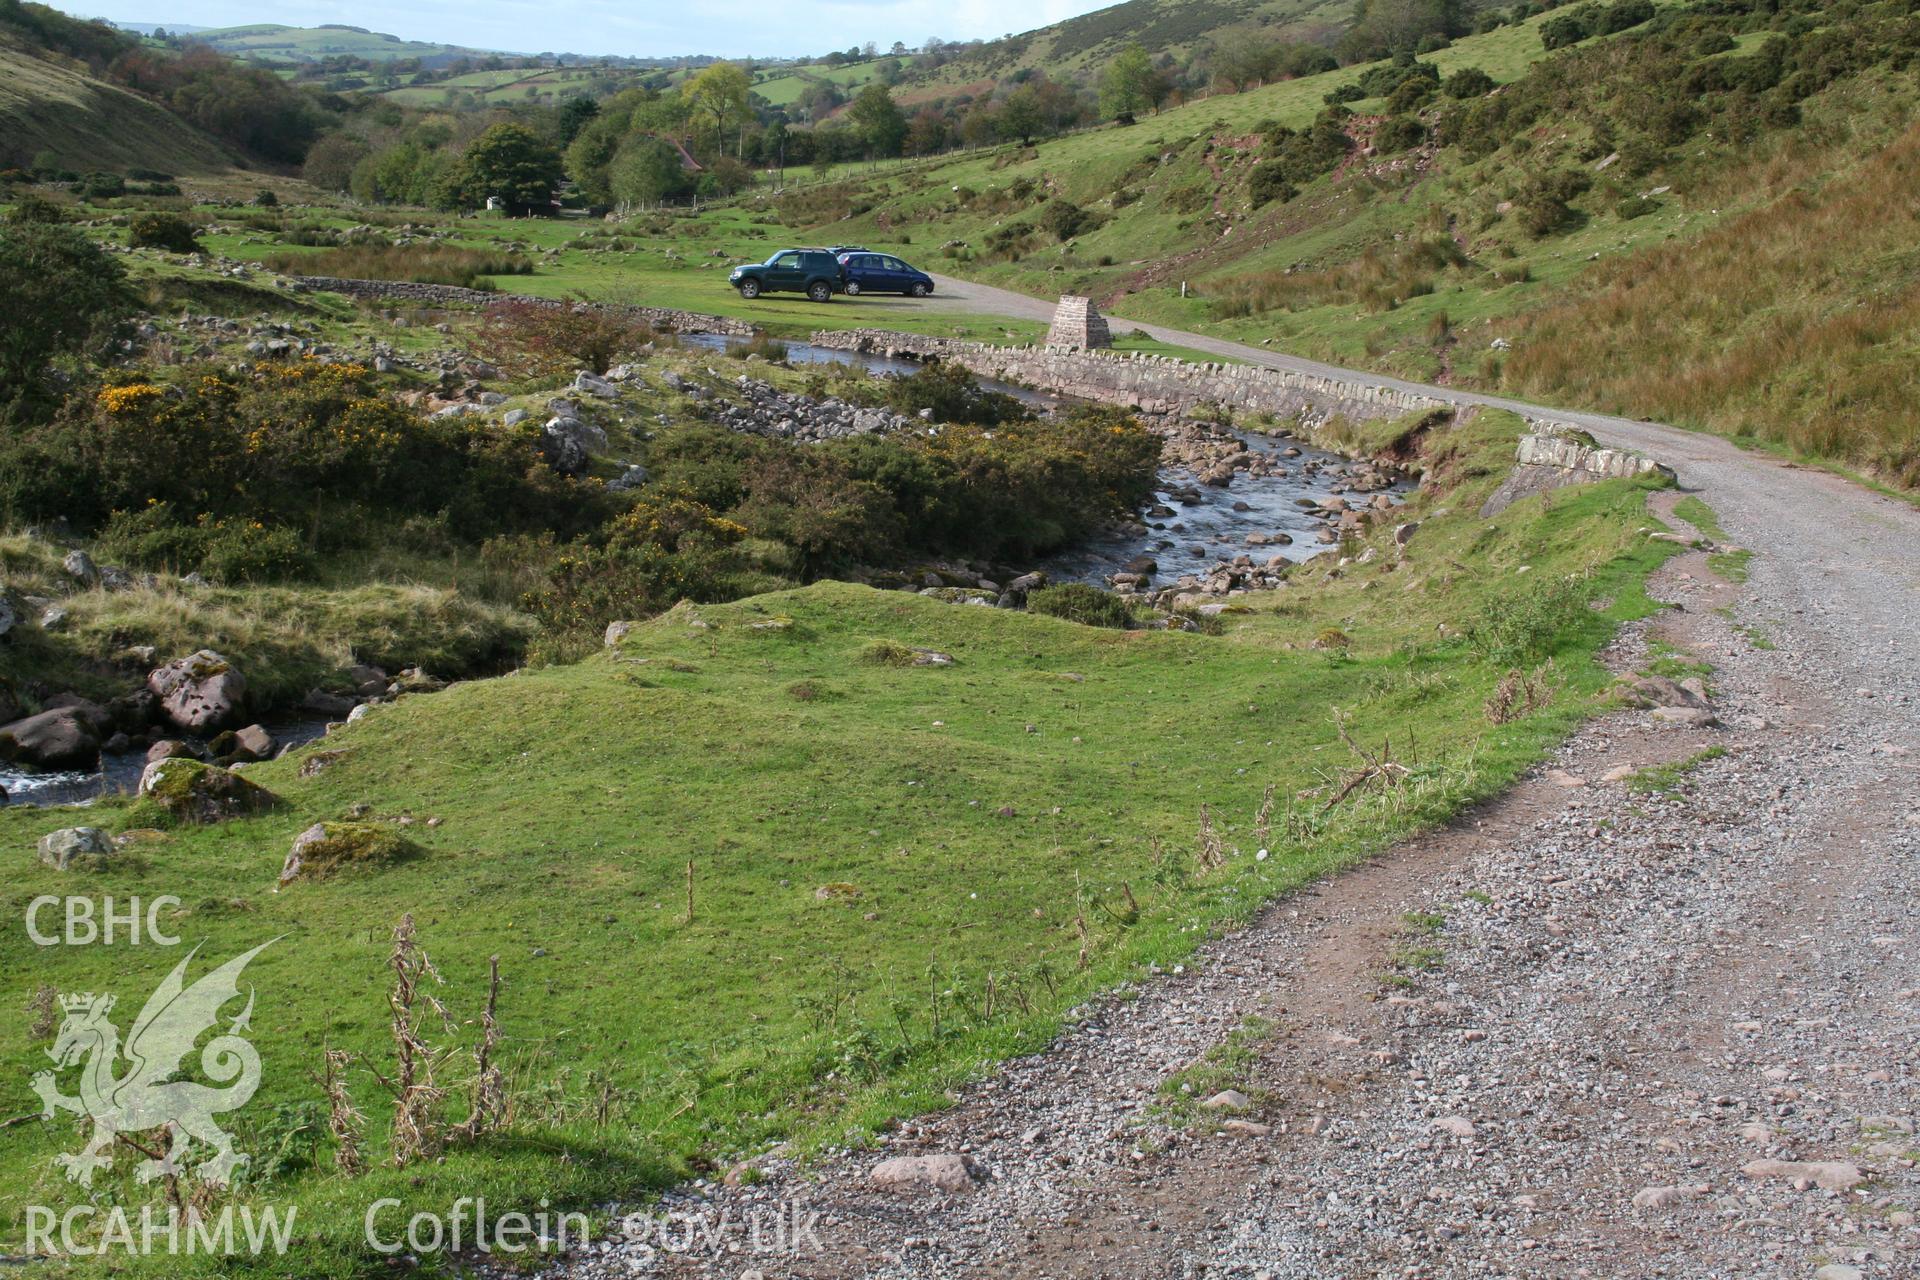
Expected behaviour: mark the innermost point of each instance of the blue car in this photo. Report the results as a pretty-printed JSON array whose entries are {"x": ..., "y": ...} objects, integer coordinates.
[{"x": 869, "y": 272}]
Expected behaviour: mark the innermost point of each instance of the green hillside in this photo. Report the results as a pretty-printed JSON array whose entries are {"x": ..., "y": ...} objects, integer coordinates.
[
  {"x": 50, "y": 106},
  {"x": 277, "y": 43},
  {"x": 1180, "y": 28},
  {"x": 1540, "y": 238}
]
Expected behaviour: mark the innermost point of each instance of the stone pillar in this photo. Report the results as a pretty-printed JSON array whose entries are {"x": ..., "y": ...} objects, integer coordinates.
[{"x": 1076, "y": 323}]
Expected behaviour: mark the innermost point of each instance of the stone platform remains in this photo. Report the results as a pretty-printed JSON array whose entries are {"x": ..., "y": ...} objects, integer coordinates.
[{"x": 1077, "y": 323}]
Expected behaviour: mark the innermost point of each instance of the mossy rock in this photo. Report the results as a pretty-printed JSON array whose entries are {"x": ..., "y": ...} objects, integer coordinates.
[
  {"x": 189, "y": 791},
  {"x": 328, "y": 847}
]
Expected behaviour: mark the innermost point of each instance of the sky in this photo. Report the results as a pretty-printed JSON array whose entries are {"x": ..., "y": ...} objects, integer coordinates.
[{"x": 639, "y": 28}]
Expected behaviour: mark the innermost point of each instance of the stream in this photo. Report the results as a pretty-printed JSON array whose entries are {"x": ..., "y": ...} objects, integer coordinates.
[
  {"x": 1189, "y": 526},
  {"x": 119, "y": 771}
]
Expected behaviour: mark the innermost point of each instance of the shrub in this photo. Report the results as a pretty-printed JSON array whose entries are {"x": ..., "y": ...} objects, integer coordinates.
[
  {"x": 1544, "y": 207},
  {"x": 665, "y": 549},
  {"x": 1410, "y": 95},
  {"x": 1635, "y": 207},
  {"x": 1268, "y": 182},
  {"x": 63, "y": 297},
  {"x": 167, "y": 231},
  {"x": 232, "y": 551},
  {"x": 1468, "y": 82},
  {"x": 31, "y": 208},
  {"x": 300, "y": 445},
  {"x": 264, "y": 198},
  {"x": 1399, "y": 133},
  {"x": 1344, "y": 93},
  {"x": 1383, "y": 80},
  {"x": 1082, "y": 603},
  {"x": 1558, "y": 33},
  {"x": 248, "y": 551},
  {"x": 536, "y": 339},
  {"x": 1527, "y": 625},
  {"x": 1302, "y": 157},
  {"x": 953, "y": 395},
  {"x": 1065, "y": 220},
  {"x": 812, "y": 502}
]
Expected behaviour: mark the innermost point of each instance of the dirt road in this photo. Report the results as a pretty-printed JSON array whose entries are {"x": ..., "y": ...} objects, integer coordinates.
[{"x": 1664, "y": 1033}]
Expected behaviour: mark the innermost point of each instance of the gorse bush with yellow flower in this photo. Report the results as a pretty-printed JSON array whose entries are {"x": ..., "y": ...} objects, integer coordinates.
[{"x": 246, "y": 476}]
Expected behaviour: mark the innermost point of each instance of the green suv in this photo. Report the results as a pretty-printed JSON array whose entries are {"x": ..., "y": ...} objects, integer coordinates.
[{"x": 814, "y": 272}]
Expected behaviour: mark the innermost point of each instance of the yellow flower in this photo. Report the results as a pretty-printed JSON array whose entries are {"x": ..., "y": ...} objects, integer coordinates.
[{"x": 133, "y": 396}]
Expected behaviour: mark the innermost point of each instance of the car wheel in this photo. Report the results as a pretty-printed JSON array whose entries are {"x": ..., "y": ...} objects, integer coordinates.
[
  {"x": 920, "y": 290},
  {"x": 820, "y": 291},
  {"x": 749, "y": 288},
  {"x": 853, "y": 288}
]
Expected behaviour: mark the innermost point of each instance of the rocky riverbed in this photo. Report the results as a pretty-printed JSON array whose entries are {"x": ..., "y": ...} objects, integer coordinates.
[{"x": 1235, "y": 512}]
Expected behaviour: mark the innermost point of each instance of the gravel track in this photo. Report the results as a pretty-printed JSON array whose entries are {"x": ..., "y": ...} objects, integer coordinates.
[{"x": 1636, "y": 997}]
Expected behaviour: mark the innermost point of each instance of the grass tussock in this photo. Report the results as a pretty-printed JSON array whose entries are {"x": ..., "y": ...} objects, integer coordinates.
[
  {"x": 1380, "y": 279},
  {"x": 419, "y": 264}
]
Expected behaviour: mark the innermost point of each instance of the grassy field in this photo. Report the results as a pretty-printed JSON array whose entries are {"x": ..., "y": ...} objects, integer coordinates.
[
  {"x": 783, "y": 86},
  {"x": 500, "y": 88},
  {"x": 898, "y": 873}
]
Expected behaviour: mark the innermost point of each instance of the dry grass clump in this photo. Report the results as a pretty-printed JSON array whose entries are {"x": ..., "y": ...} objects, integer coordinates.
[{"x": 1795, "y": 323}]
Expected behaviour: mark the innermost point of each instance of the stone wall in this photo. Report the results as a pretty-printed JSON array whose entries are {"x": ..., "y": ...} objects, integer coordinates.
[
  {"x": 407, "y": 291},
  {"x": 1554, "y": 455},
  {"x": 1153, "y": 384}
]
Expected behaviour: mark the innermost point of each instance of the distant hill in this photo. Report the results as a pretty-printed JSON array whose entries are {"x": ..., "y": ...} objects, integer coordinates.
[
  {"x": 59, "y": 107},
  {"x": 1077, "y": 46},
  {"x": 277, "y": 43},
  {"x": 148, "y": 28}
]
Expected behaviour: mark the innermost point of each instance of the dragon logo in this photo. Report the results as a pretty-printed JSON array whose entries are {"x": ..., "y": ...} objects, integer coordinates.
[{"x": 146, "y": 1095}]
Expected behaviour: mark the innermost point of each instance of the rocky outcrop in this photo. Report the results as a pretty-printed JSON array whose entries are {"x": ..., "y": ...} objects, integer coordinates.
[
  {"x": 327, "y": 847},
  {"x": 568, "y": 443},
  {"x": 768, "y": 411},
  {"x": 1555, "y": 455},
  {"x": 63, "y": 738},
  {"x": 200, "y": 692},
  {"x": 76, "y": 848},
  {"x": 190, "y": 791}
]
